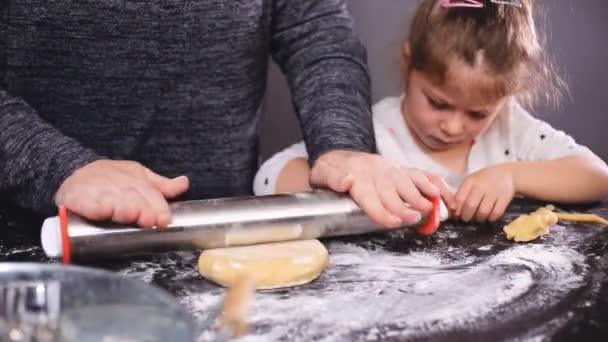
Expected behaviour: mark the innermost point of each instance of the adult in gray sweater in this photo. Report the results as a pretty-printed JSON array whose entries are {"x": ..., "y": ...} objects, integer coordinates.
[{"x": 113, "y": 107}]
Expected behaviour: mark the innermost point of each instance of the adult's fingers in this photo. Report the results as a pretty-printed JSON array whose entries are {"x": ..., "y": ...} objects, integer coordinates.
[
  {"x": 410, "y": 190},
  {"x": 446, "y": 193},
  {"x": 324, "y": 174},
  {"x": 367, "y": 198},
  {"x": 340, "y": 181},
  {"x": 423, "y": 182},
  {"x": 128, "y": 206},
  {"x": 392, "y": 201},
  {"x": 169, "y": 187},
  {"x": 155, "y": 211}
]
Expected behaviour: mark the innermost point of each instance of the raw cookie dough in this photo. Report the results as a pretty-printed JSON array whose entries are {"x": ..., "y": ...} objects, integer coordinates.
[
  {"x": 530, "y": 227},
  {"x": 581, "y": 218},
  {"x": 242, "y": 236},
  {"x": 272, "y": 265}
]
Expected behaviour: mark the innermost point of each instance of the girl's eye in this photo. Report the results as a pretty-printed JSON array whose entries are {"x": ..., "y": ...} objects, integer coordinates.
[
  {"x": 437, "y": 105},
  {"x": 477, "y": 115}
]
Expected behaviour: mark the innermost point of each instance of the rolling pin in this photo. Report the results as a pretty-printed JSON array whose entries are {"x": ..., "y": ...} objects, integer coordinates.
[{"x": 214, "y": 223}]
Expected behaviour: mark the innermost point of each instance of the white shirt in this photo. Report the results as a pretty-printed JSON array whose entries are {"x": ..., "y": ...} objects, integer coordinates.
[{"x": 513, "y": 136}]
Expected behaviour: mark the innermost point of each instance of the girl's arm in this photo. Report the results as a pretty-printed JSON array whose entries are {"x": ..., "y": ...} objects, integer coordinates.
[
  {"x": 572, "y": 179},
  {"x": 286, "y": 171},
  {"x": 485, "y": 194},
  {"x": 294, "y": 177},
  {"x": 551, "y": 165},
  {"x": 547, "y": 165}
]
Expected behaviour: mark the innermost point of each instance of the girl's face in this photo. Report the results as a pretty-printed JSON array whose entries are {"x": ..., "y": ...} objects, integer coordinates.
[{"x": 444, "y": 117}]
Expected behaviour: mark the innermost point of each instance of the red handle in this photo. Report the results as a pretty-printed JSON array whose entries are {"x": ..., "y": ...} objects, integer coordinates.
[
  {"x": 65, "y": 238},
  {"x": 432, "y": 221}
]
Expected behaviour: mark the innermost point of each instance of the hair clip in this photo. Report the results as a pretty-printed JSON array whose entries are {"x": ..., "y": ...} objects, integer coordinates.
[
  {"x": 516, "y": 3},
  {"x": 461, "y": 3},
  {"x": 477, "y": 3}
]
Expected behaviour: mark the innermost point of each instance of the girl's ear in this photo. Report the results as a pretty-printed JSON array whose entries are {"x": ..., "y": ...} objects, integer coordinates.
[{"x": 406, "y": 49}]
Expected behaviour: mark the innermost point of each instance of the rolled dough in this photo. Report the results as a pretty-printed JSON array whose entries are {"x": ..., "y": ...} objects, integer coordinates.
[{"x": 272, "y": 265}]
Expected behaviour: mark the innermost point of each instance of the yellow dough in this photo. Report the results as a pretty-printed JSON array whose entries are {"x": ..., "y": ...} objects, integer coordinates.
[
  {"x": 548, "y": 209},
  {"x": 272, "y": 265},
  {"x": 581, "y": 218},
  {"x": 530, "y": 227}
]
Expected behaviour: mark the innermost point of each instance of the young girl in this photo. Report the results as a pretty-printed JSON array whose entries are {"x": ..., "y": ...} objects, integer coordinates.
[{"x": 467, "y": 72}]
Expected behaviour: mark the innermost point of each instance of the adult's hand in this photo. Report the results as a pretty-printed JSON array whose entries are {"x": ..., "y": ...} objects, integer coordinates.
[
  {"x": 122, "y": 191},
  {"x": 389, "y": 194}
]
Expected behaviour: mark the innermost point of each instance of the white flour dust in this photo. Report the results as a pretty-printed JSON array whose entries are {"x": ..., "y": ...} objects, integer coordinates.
[{"x": 373, "y": 295}]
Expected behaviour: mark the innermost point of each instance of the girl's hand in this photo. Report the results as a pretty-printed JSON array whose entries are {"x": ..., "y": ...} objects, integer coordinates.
[
  {"x": 485, "y": 194},
  {"x": 389, "y": 194}
]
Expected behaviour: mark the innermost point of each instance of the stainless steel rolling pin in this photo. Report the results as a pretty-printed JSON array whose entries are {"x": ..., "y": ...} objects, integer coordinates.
[{"x": 214, "y": 223}]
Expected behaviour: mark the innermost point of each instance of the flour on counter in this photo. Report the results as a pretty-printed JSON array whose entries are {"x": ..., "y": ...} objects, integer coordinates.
[{"x": 375, "y": 294}]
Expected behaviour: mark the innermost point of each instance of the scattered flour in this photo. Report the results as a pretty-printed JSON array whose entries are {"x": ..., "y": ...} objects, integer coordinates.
[{"x": 375, "y": 294}]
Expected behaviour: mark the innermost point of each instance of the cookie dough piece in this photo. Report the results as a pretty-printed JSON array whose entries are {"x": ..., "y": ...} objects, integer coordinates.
[
  {"x": 581, "y": 218},
  {"x": 271, "y": 266},
  {"x": 530, "y": 227},
  {"x": 548, "y": 209}
]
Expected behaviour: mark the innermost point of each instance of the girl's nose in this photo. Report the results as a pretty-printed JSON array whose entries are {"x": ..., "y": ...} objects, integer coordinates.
[{"x": 453, "y": 124}]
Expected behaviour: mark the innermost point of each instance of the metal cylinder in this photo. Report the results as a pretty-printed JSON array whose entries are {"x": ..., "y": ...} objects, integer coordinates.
[{"x": 217, "y": 223}]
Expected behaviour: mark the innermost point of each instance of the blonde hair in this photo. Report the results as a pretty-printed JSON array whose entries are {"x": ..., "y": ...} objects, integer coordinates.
[{"x": 506, "y": 38}]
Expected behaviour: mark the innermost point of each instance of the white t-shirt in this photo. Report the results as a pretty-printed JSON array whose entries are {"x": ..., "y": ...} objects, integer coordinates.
[{"x": 513, "y": 136}]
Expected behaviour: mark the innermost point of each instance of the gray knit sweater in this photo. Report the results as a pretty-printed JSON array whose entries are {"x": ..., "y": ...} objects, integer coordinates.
[{"x": 174, "y": 84}]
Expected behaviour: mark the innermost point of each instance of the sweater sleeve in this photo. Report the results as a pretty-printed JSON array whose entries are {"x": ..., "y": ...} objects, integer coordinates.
[
  {"x": 35, "y": 157},
  {"x": 326, "y": 66}
]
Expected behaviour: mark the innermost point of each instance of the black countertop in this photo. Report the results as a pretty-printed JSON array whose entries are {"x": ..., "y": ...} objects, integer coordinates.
[{"x": 466, "y": 282}]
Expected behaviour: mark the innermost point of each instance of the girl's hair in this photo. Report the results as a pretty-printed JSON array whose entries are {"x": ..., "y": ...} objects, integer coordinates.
[{"x": 500, "y": 38}]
